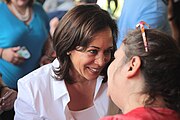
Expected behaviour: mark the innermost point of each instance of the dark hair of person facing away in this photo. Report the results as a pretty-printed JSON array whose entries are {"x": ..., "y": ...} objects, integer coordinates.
[
  {"x": 77, "y": 28},
  {"x": 160, "y": 66},
  {"x": 29, "y": 3}
]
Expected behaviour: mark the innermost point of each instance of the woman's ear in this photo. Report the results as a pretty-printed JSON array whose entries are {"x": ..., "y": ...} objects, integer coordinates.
[
  {"x": 134, "y": 66},
  {"x": 68, "y": 53}
]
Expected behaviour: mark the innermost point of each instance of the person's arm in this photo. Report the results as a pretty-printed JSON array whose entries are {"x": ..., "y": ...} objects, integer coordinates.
[
  {"x": 174, "y": 27},
  {"x": 175, "y": 32},
  {"x": 7, "y": 97},
  {"x": 11, "y": 55},
  {"x": 49, "y": 54}
]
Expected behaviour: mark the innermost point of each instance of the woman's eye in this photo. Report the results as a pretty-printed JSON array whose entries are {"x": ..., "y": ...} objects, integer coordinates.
[{"x": 93, "y": 52}]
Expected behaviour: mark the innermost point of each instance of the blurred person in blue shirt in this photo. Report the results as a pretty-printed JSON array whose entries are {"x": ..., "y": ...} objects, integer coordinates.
[
  {"x": 153, "y": 12},
  {"x": 22, "y": 23}
]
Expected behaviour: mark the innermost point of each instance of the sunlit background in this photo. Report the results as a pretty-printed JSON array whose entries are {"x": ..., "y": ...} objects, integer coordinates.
[{"x": 104, "y": 4}]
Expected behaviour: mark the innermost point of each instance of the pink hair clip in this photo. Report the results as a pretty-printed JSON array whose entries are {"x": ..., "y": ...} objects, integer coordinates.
[{"x": 141, "y": 25}]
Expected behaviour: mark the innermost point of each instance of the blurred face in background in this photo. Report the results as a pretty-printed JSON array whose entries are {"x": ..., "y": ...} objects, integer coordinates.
[{"x": 20, "y": 3}]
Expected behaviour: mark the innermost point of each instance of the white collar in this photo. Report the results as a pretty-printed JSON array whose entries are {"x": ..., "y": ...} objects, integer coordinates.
[{"x": 59, "y": 87}]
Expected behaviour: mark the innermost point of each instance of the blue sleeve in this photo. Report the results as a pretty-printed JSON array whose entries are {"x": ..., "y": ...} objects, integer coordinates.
[{"x": 153, "y": 12}]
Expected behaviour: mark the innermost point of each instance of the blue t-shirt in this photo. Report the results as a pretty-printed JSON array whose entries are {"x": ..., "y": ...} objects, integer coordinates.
[
  {"x": 14, "y": 32},
  {"x": 153, "y": 12}
]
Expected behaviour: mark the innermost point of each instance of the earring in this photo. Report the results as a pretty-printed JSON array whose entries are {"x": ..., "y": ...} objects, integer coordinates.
[{"x": 68, "y": 53}]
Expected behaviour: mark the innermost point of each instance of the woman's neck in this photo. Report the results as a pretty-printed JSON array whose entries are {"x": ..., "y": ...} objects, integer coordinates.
[
  {"x": 81, "y": 95},
  {"x": 132, "y": 102},
  {"x": 136, "y": 101},
  {"x": 23, "y": 13}
]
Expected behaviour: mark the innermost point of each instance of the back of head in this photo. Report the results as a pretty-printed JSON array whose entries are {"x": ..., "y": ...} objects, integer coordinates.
[
  {"x": 77, "y": 28},
  {"x": 160, "y": 66}
]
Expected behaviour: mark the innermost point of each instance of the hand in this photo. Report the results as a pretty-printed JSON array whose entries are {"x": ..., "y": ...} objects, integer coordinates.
[
  {"x": 46, "y": 59},
  {"x": 170, "y": 9},
  {"x": 8, "y": 96},
  {"x": 10, "y": 55}
]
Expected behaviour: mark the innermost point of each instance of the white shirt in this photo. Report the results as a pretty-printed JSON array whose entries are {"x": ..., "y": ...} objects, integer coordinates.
[
  {"x": 84, "y": 114},
  {"x": 42, "y": 97}
]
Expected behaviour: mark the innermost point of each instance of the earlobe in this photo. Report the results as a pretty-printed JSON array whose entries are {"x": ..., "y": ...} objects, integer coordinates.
[{"x": 134, "y": 66}]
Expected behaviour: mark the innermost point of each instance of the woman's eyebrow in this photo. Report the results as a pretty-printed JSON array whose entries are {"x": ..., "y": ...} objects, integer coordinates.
[
  {"x": 94, "y": 47},
  {"x": 99, "y": 48}
]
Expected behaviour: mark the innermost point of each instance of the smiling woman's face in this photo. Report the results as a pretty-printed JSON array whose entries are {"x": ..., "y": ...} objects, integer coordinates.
[{"x": 88, "y": 64}]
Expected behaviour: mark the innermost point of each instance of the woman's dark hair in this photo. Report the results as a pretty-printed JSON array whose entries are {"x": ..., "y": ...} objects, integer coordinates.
[
  {"x": 29, "y": 3},
  {"x": 77, "y": 28},
  {"x": 160, "y": 66}
]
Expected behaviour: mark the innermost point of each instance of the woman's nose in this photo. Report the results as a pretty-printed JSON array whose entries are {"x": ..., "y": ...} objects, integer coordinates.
[{"x": 101, "y": 60}]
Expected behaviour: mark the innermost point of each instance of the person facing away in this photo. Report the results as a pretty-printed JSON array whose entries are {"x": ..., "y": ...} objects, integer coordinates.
[
  {"x": 154, "y": 12},
  {"x": 23, "y": 24},
  {"x": 147, "y": 80},
  {"x": 74, "y": 86}
]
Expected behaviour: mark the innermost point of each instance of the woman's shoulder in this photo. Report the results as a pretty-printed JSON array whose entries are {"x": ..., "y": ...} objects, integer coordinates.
[
  {"x": 39, "y": 11},
  {"x": 39, "y": 76},
  {"x": 37, "y": 4},
  {"x": 37, "y": 7},
  {"x": 2, "y": 4}
]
